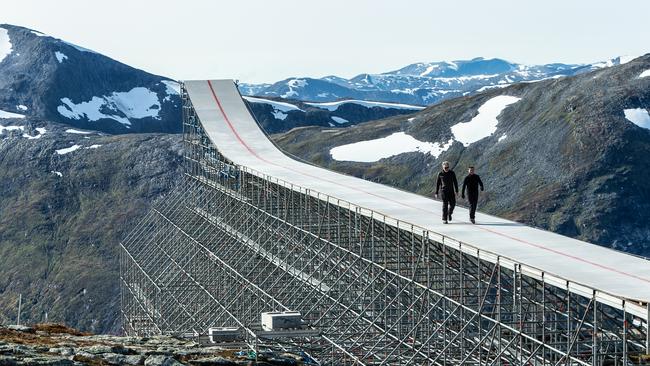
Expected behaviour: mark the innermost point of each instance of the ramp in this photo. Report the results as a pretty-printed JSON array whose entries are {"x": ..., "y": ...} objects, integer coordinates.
[{"x": 371, "y": 266}]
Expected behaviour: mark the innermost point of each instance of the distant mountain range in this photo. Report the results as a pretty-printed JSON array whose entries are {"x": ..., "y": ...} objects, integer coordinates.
[
  {"x": 280, "y": 115},
  {"x": 421, "y": 83},
  {"x": 47, "y": 78}
]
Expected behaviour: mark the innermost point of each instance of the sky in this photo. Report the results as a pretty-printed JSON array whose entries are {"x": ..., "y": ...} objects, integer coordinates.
[{"x": 266, "y": 41}]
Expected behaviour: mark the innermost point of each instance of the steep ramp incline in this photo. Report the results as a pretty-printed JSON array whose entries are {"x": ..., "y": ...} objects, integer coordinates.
[{"x": 238, "y": 137}]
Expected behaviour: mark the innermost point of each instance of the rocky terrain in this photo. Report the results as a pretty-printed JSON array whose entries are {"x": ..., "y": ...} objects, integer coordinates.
[
  {"x": 68, "y": 197},
  {"x": 57, "y": 345},
  {"x": 422, "y": 83},
  {"x": 565, "y": 154}
]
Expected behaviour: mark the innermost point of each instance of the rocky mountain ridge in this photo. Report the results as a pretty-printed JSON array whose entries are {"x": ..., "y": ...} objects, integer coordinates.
[
  {"x": 68, "y": 197},
  {"x": 48, "y": 78},
  {"x": 421, "y": 83}
]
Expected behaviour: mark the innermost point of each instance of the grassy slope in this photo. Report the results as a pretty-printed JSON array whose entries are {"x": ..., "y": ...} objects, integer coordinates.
[{"x": 59, "y": 235}]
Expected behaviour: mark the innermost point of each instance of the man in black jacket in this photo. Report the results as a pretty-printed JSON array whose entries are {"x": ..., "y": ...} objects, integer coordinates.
[
  {"x": 472, "y": 182},
  {"x": 447, "y": 181}
]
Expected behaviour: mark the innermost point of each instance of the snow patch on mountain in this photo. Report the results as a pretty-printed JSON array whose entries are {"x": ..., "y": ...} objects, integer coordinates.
[
  {"x": 173, "y": 88},
  {"x": 90, "y": 110},
  {"x": 645, "y": 74},
  {"x": 297, "y": 83},
  {"x": 615, "y": 61},
  {"x": 602, "y": 64},
  {"x": 294, "y": 84},
  {"x": 41, "y": 131},
  {"x": 339, "y": 120},
  {"x": 484, "y": 123},
  {"x": 429, "y": 70},
  {"x": 280, "y": 106},
  {"x": 279, "y": 115},
  {"x": 492, "y": 87},
  {"x": 68, "y": 150},
  {"x": 5, "y": 44},
  {"x": 638, "y": 116},
  {"x": 60, "y": 56},
  {"x": 137, "y": 103},
  {"x": 22, "y": 107},
  {"x": 5, "y": 114},
  {"x": 374, "y": 150},
  {"x": 626, "y": 58},
  {"x": 39, "y": 34},
  {"x": 332, "y": 106},
  {"x": 452, "y": 64},
  {"x": 79, "y": 48},
  {"x": 78, "y": 132},
  {"x": 10, "y": 128}
]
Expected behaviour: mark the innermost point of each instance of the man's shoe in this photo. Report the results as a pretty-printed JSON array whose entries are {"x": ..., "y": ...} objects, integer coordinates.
[
  {"x": 472, "y": 220},
  {"x": 444, "y": 222},
  {"x": 449, "y": 217}
]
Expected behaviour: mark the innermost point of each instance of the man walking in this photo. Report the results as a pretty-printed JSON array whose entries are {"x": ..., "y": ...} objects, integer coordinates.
[
  {"x": 472, "y": 182},
  {"x": 447, "y": 181}
]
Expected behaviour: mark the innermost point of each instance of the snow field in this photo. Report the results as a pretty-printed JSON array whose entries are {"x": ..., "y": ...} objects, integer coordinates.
[
  {"x": 41, "y": 131},
  {"x": 68, "y": 150},
  {"x": 137, "y": 103},
  {"x": 76, "y": 147},
  {"x": 4, "y": 114},
  {"x": 5, "y": 44},
  {"x": 60, "y": 56},
  {"x": 638, "y": 116},
  {"x": 294, "y": 84},
  {"x": 485, "y": 123},
  {"x": 10, "y": 128},
  {"x": 398, "y": 143}
]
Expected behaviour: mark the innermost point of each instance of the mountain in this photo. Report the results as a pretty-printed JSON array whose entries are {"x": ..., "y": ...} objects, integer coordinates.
[
  {"x": 70, "y": 191},
  {"x": 280, "y": 115},
  {"x": 47, "y": 78},
  {"x": 420, "y": 83},
  {"x": 568, "y": 154},
  {"x": 69, "y": 197}
]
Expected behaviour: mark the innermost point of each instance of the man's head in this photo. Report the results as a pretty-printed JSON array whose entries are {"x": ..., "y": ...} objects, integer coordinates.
[
  {"x": 470, "y": 170},
  {"x": 445, "y": 166}
]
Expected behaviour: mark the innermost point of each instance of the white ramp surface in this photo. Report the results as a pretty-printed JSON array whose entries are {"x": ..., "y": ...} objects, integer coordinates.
[{"x": 235, "y": 133}]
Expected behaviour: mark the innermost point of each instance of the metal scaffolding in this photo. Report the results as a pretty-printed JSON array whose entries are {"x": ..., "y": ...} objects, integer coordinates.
[{"x": 230, "y": 243}]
